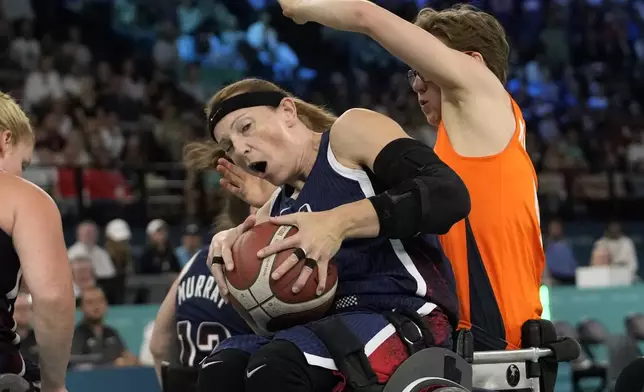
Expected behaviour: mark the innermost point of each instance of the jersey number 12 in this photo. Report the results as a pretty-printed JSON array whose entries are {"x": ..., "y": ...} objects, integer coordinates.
[{"x": 208, "y": 336}]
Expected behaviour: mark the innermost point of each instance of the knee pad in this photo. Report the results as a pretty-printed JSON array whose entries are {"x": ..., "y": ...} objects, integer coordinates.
[
  {"x": 281, "y": 366},
  {"x": 224, "y": 371}
]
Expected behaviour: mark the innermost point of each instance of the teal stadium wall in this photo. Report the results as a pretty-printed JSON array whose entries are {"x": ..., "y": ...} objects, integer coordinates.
[{"x": 609, "y": 306}]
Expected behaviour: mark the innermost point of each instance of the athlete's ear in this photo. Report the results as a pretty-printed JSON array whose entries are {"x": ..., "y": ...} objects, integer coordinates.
[
  {"x": 477, "y": 56},
  {"x": 6, "y": 137},
  {"x": 289, "y": 110}
]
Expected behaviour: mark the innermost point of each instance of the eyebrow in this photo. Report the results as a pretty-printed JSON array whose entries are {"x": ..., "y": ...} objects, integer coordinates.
[
  {"x": 225, "y": 139},
  {"x": 232, "y": 124}
]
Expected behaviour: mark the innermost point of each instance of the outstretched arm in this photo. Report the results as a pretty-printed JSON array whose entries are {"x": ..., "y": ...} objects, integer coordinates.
[{"x": 448, "y": 68}]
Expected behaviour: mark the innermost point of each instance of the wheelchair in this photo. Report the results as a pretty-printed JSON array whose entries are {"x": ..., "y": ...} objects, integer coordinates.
[{"x": 530, "y": 369}]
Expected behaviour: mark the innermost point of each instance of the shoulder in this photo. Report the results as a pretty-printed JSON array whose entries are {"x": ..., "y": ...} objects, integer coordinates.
[
  {"x": 32, "y": 200},
  {"x": 358, "y": 135}
]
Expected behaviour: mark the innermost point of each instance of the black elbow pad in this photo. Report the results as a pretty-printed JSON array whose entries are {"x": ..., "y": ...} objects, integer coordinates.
[{"x": 424, "y": 195}]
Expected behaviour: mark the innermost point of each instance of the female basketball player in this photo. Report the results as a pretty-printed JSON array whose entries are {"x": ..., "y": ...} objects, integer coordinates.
[
  {"x": 31, "y": 244},
  {"x": 359, "y": 190},
  {"x": 459, "y": 63},
  {"x": 196, "y": 321}
]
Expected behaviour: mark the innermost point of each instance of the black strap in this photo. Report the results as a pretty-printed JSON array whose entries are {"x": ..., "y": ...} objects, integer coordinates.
[
  {"x": 246, "y": 100},
  {"x": 348, "y": 353},
  {"x": 411, "y": 329}
]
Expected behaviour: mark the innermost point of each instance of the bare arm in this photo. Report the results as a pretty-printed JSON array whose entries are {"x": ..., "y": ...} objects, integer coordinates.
[
  {"x": 164, "y": 328},
  {"x": 38, "y": 239},
  {"x": 448, "y": 68},
  {"x": 446, "y": 195}
]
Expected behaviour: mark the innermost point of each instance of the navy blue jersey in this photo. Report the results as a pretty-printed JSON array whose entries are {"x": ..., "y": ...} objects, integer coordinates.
[
  {"x": 203, "y": 319},
  {"x": 374, "y": 273},
  {"x": 10, "y": 275}
]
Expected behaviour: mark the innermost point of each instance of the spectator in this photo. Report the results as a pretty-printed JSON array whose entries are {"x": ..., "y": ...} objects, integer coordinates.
[
  {"x": 158, "y": 256},
  {"x": 165, "y": 51},
  {"x": 43, "y": 83},
  {"x": 85, "y": 245},
  {"x": 118, "y": 235},
  {"x": 72, "y": 81},
  {"x": 82, "y": 274},
  {"x": 25, "y": 49},
  {"x": 620, "y": 247},
  {"x": 635, "y": 153},
  {"x": 97, "y": 344},
  {"x": 189, "y": 16},
  {"x": 192, "y": 86},
  {"x": 133, "y": 85},
  {"x": 75, "y": 50},
  {"x": 559, "y": 256},
  {"x": 600, "y": 256},
  {"x": 112, "y": 136},
  {"x": 191, "y": 242},
  {"x": 22, "y": 316}
]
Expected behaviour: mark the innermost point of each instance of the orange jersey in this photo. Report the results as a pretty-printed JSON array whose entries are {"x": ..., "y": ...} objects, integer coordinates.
[{"x": 496, "y": 253}]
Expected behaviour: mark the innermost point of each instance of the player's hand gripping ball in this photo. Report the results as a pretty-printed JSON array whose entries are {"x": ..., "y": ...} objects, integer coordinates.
[{"x": 268, "y": 304}]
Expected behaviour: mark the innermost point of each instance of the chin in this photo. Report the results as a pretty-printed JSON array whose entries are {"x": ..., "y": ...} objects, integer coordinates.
[{"x": 433, "y": 119}]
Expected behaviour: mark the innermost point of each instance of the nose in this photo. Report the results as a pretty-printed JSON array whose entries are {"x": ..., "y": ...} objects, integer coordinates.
[
  {"x": 239, "y": 146},
  {"x": 418, "y": 85}
]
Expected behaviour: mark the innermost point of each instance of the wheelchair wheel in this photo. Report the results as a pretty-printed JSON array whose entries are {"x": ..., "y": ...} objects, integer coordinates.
[
  {"x": 15, "y": 383},
  {"x": 441, "y": 387}
]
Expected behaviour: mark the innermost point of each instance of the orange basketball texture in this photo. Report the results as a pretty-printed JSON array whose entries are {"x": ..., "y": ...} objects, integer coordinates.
[{"x": 271, "y": 304}]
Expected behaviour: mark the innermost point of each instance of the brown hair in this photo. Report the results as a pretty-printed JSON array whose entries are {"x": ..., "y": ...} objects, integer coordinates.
[
  {"x": 120, "y": 253},
  {"x": 466, "y": 28},
  {"x": 233, "y": 213},
  {"x": 13, "y": 119},
  {"x": 204, "y": 154}
]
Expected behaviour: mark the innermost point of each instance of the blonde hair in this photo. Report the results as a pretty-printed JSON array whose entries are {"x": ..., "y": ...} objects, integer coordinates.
[
  {"x": 467, "y": 29},
  {"x": 204, "y": 154},
  {"x": 14, "y": 119}
]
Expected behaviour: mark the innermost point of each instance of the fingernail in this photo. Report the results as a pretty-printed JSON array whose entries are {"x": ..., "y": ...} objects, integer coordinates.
[
  {"x": 260, "y": 254},
  {"x": 230, "y": 267},
  {"x": 296, "y": 290},
  {"x": 275, "y": 276},
  {"x": 319, "y": 292}
]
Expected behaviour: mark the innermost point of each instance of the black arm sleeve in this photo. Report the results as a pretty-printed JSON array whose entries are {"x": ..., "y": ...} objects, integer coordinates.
[{"x": 424, "y": 194}]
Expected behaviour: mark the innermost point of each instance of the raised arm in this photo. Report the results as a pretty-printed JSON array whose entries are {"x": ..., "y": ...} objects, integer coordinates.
[
  {"x": 38, "y": 238},
  {"x": 422, "y": 51}
]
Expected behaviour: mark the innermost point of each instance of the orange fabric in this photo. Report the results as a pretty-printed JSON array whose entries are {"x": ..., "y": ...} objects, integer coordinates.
[{"x": 505, "y": 223}]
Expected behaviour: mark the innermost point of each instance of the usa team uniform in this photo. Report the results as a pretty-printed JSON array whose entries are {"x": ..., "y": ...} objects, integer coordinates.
[
  {"x": 203, "y": 318},
  {"x": 376, "y": 275}
]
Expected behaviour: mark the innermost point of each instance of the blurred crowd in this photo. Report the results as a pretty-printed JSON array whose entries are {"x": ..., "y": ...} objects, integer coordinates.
[
  {"x": 125, "y": 110},
  {"x": 116, "y": 93}
]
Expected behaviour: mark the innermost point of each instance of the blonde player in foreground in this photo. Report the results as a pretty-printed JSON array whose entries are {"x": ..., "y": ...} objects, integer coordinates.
[
  {"x": 459, "y": 64},
  {"x": 31, "y": 246}
]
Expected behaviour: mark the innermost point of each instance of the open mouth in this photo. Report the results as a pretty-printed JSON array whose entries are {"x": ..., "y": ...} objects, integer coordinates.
[
  {"x": 258, "y": 167},
  {"x": 422, "y": 102}
]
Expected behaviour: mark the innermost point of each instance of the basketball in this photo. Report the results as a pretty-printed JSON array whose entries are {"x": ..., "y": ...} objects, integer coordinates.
[{"x": 271, "y": 304}]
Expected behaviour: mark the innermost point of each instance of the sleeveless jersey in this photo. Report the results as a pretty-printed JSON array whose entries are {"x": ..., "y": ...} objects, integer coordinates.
[
  {"x": 10, "y": 276},
  {"x": 496, "y": 252},
  {"x": 203, "y": 319},
  {"x": 373, "y": 273}
]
